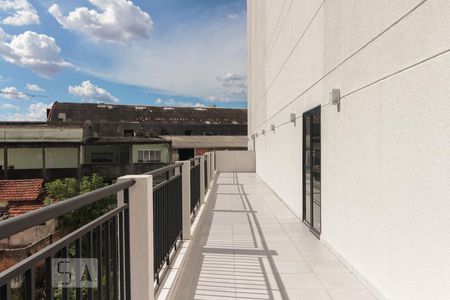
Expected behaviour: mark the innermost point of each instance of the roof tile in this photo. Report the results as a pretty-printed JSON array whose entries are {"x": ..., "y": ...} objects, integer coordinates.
[
  {"x": 19, "y": 208},
  {"x": 20, "y": 190}
]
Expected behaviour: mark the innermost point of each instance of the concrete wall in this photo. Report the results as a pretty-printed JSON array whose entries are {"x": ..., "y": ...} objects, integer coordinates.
[
  {"x": 25, "y": 158},
  {"x": 35, "y": 134},
  {"x": 29, "y": 236},
  {"x": 385, "y": 155},
  {"x": 31, "y": 158},
  {"x": 236, "y": 161},
  {"x": 61, "y": 158}
]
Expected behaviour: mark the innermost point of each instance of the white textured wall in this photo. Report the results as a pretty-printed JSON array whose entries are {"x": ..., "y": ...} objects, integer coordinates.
[
  {"x": 386, "y": 155},
  {"x": 236, "y": 161}
]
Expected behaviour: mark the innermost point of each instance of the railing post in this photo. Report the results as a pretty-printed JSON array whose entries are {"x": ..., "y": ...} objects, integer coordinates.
[
  {"x": 186, "y": 192},
  {"x": 202, "y": 179},
  {"x": 210, "y": 177},
  {"x": 207, "y": 169},
  {"x": 141, "y": 236},
  {"x": 213, "y": 163}
]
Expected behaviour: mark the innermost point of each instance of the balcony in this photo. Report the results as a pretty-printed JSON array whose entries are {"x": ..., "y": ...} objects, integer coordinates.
[{"x": 208, "y": 228}]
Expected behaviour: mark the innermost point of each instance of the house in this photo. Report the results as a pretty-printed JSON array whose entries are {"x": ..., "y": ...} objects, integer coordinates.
[
  {"x": 40, "y": 150},
  {"x": 21, "y": 196},
  {"x": 188, "y": 128}
]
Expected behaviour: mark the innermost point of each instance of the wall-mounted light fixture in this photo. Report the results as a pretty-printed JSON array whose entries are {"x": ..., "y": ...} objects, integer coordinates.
[
  {"x": 335, "y": 96},
  {"x": 293, "y": 118},
  {"x": 272, "y": 127}
]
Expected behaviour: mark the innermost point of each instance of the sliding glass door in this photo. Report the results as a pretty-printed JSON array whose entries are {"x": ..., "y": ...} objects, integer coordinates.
[{"x": 311, "y": 170}]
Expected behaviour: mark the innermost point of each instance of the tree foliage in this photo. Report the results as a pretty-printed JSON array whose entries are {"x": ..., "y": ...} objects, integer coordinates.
[{"x": 62, "y": 189}]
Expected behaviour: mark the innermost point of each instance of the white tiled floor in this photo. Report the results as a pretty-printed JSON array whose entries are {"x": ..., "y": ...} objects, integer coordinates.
[{"x": 250, "y": 246}]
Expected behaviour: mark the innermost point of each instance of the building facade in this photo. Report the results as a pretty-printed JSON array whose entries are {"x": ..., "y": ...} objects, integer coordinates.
[
  {"x": 52, "y": 152},
  {"x": 350, "y": 121}
]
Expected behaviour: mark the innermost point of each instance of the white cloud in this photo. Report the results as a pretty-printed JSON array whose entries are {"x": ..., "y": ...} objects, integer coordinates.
[
  {"x": 34, "y": 87},
  {"x": 9, "y": 106},
  {"x": 20, "y": 12},
  {"x": 173, "y": 102},
  {"x": 233, "y": 85},
  {"x": 37, "y": 111},
  {"x": 114, "y": 21},
  {"x": 91, "y": 93},
  {"x": 183, "y": 60},
  {"x": 233, "y": 16},
  {"x": 11, "y": 92},
  {"x": 38, "y": 52}
]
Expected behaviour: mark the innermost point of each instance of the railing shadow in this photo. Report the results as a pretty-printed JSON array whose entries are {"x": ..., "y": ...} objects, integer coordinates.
[{"x": 228, "y": 263}]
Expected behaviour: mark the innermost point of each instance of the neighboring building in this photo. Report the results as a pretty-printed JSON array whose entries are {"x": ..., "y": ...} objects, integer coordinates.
[
  {"x": 36, "y": 150},
  {"x": 140, "y": 122},
  {"x": 185, "y": 147},
  {"x": 21, "y": 196},
  {"x": 367, "y": 170},
  {"x": 112, "y": 157},
  {"x": 18, "y": 197},
  {"x": 107, "y": 120},
  {"x": 113, "y": 140},
  {"x": 39, "y": 150}
]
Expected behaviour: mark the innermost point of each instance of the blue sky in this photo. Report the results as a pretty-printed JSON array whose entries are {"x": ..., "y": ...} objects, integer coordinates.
[{"x": 150, "y": 52}]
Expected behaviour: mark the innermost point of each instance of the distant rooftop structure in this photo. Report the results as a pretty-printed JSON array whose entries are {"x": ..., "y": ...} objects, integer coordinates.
[
  {"x": 108, "y": 120},
  {"x": 80, "y": 112}
]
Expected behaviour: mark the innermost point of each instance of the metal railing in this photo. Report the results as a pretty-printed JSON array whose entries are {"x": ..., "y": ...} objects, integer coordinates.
[
  {"x": 167, "y": 217},
  {"x": 195, "y": 185},
  {"x": 106, "y": 238}
]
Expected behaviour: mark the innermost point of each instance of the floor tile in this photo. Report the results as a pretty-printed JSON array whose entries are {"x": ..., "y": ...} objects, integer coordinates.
[{"x": 249, "y": 245}]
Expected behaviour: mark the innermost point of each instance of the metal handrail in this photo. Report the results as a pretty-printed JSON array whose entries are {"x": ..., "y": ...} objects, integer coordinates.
[
  {"x": 18, "y": 224},
  {"x": 51, "y": 249},
  {"x": 164, "y": 169}
]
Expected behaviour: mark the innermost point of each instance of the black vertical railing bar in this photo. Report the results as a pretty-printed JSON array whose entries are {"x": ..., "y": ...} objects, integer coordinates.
[
  {"x": 65, "y": 290},
  {"x": 108, "y": 259},
  {"x": 121, "y": 259},
  {"x": 126, "y": 224},
  {"x": 73, "y": 241},
  {"x": 195, "y": 186},
  {"x": 78, "y": 255},
  {"x": 48, "y": 279},
  {"x": 29, "y": 284},
  {"x": 206, "y": 173},
  {"x": 5, "y": 291},
  {"x": 98, "y": 248},
  {"x": 167, "y": 229},
  {"x": 90, "y": 250},
  {"x": 115, "y": 259}
]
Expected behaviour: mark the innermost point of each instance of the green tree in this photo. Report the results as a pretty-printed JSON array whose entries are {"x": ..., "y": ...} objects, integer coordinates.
[{"x": 62, "y": 189}]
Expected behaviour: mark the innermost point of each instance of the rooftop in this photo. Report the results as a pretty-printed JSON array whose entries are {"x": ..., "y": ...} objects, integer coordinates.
[
  {"x": 20, "y": 190},
  {"x": 19, "y": 208},
  {"x": 66, "y": 113}
]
